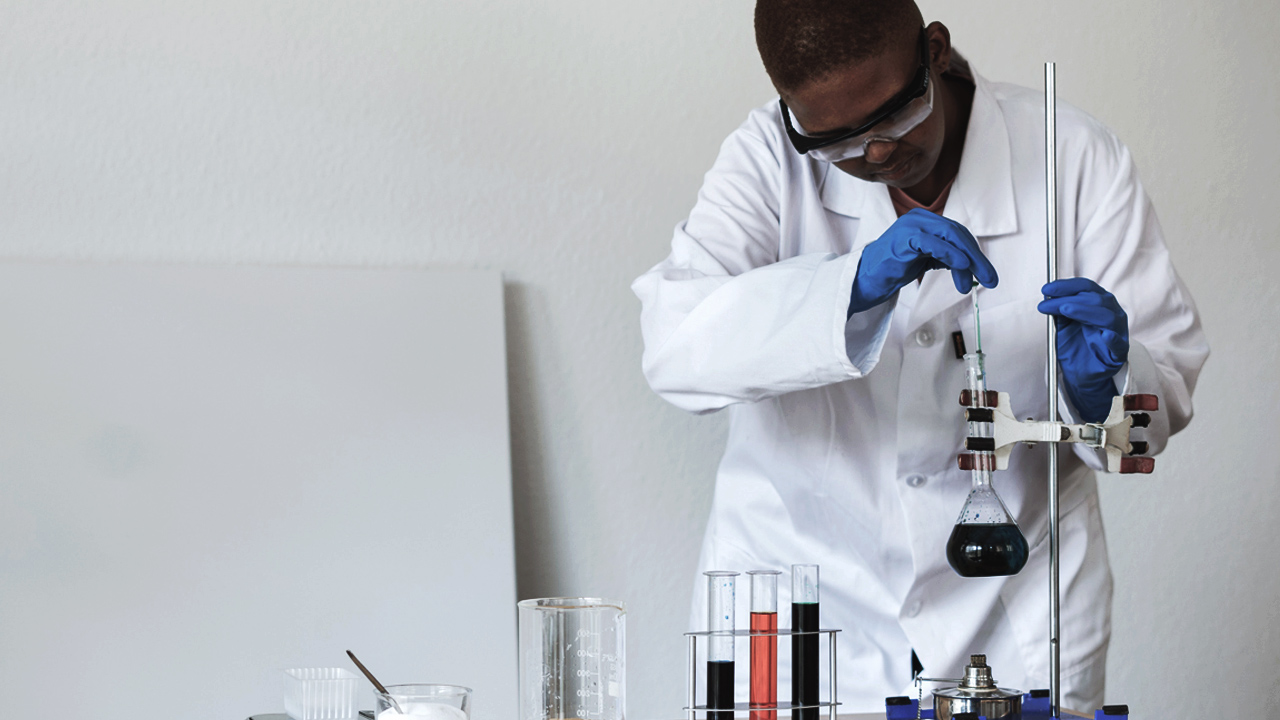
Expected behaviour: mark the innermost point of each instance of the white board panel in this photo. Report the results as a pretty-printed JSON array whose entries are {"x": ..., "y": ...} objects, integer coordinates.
[{"x": 213, "y": 473}]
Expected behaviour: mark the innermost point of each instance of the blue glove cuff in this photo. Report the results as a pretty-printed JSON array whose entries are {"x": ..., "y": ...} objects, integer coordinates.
[{"x": 1091, "y": 398}]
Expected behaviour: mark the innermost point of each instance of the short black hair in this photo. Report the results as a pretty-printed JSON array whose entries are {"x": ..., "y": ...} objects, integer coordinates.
[{"x": 805, "y": 40}]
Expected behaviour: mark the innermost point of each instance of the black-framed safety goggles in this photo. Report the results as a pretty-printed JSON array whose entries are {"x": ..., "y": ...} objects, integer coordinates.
[{"x": 918, "y": 86}]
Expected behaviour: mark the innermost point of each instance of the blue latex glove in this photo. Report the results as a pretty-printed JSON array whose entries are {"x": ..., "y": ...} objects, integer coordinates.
[
  {"x": 918, "y": 241},
  {"x": 1093, "y": 342}
]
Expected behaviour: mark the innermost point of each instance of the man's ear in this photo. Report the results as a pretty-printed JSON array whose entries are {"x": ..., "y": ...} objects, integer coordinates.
[{"x": 939, "y": 39}]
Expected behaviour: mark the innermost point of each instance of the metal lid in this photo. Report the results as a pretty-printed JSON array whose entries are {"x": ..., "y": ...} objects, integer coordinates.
[{"x": 977, "y": 683}]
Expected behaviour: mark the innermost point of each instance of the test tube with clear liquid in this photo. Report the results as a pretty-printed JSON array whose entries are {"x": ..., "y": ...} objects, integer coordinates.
[
  {"x": 720, "y": 645},
  {"x": 804, "y": 647},
  {"x": 764, "y": 643},
  {"x": 985, "y": 541}
]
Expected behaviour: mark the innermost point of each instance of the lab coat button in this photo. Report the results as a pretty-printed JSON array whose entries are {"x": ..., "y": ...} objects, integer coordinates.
[
  {"x": 915, "y": 481},
  {"x": 913, "y": 609},
  {"x": 924, "y": 337}
]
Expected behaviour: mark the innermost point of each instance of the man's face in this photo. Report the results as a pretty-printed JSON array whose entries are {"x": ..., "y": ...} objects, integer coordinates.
[{"x": 849, "y": 97}]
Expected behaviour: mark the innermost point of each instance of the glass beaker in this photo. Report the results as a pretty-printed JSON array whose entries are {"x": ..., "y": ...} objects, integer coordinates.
[
  {"x": 985, "y": 541},
  {"x": 424, "y": 702},
  {"x": 572, "y": 659}
]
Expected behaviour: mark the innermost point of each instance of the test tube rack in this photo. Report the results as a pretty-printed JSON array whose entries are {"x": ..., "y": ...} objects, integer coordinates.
[{"x": 694, "y": 709}]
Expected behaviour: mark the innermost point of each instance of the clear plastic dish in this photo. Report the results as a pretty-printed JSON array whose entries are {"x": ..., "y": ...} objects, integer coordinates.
[{"x": 319, "y": 694}]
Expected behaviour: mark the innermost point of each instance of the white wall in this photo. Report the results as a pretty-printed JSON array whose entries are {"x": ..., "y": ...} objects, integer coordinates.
[
  {"x": 559, "y": 142},
  {"x": 198, "y": 459}
]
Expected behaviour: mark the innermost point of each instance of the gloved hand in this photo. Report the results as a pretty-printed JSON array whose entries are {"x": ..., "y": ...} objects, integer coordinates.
[
  {"x": 1093, "y": 342},
  {"x": 918, "y": 241}
]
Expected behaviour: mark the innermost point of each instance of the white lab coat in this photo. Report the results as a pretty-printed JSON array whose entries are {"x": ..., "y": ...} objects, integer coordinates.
[{"x": 843, "y": 434}]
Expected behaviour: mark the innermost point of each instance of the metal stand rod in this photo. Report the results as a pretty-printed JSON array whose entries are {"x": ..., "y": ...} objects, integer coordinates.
[
  {"x": 1051, "y": 223},
  {"x": 693, "y": 676},
  {"x": 831, "y": 677}
]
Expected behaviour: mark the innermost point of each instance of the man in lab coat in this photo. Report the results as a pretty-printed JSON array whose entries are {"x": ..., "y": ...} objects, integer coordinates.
[{"x": 796, "y": 297}]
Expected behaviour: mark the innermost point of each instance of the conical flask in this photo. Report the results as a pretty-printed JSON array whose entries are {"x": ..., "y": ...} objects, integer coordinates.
[{"x": 985, "y": 541}]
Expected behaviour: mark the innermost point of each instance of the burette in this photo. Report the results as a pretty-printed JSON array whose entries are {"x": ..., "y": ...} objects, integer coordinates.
[
  {"x": 994, "y": 431},
  {"x": 988, "y": 451}
]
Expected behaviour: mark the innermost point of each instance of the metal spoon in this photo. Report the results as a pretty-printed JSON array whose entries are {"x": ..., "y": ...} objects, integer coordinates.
[{"x": 380, "y": 687}]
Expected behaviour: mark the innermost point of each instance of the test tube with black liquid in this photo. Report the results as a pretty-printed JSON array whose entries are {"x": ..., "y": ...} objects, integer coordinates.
[
  {"x": 804, "y": 647},
  {"x": 720, "y": 621}
]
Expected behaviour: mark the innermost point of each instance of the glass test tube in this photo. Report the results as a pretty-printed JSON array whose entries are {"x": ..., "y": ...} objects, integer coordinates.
[
  {"x": 764, "y": 648},
  {"x": 720, "y": 618},
  {"x": 804, "y": 648}
]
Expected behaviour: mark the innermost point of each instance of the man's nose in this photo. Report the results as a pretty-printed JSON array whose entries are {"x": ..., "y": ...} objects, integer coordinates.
[{"x": 878, "y": 151}]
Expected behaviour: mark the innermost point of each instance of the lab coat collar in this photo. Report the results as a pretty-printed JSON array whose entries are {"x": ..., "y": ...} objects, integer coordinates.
[{"x": 981, "y": 199}]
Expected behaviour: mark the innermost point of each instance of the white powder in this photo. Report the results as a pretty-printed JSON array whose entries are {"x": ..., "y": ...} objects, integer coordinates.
[{"x": 423, "y": 711}]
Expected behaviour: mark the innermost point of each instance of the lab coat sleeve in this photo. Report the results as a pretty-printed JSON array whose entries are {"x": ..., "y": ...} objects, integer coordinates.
[
  {"x": 1120, "y": 246},
  {"x": 724, "y": 320}
]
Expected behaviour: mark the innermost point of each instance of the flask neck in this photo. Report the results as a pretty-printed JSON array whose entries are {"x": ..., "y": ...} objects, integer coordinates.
[{"x": 976, "y": 373}]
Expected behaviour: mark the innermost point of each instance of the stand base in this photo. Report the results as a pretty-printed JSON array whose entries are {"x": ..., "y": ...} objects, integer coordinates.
[{"x": 1035, "y": 706}]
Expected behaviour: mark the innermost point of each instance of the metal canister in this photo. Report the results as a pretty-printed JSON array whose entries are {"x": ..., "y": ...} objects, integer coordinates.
[{"x": 977, "y": 693}]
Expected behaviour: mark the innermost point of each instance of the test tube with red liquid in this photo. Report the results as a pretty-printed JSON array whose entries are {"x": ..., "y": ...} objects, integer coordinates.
[
  {"x": 804, "y": 646},
  {"x": 764, "y": 643},
  {"x": 720, "y": 621}
]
